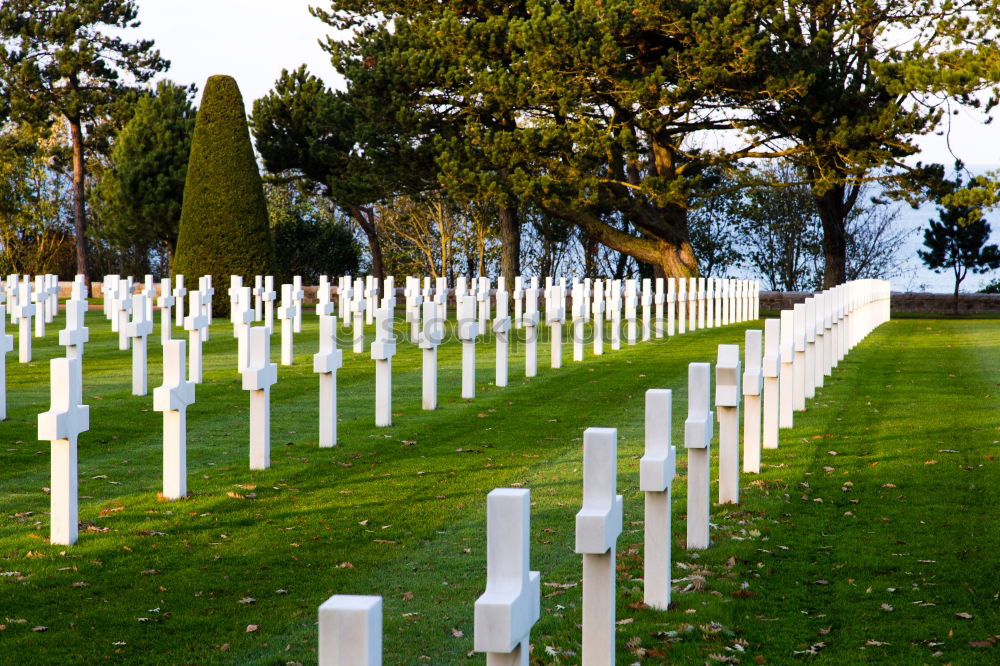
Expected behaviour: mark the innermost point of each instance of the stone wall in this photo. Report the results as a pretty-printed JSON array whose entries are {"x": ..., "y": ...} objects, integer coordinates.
[{"x": 919, "y": 303}]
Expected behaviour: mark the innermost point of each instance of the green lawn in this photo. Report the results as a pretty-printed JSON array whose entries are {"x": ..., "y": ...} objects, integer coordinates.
[{"x": 872, "y": 552}]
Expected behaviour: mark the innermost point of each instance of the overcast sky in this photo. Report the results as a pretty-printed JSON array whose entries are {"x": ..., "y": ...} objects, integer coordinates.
[{"x": 253, "y": 40}]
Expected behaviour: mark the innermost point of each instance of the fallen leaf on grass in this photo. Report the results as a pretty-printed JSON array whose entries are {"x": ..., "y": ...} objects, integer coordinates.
[
  {"x": 252, "y": 628},
  {"x": 811, "y": 650},
  {"x": 457, "y": 633},
  {"x": 963, "y": 615},
  {"x": 886, "y": 607},
  {"x": 247, "y": 600},
  {"x": 149, "y": 572},
  {"x": 39, "y": 628},
  {"x": 871, "y": 642}
]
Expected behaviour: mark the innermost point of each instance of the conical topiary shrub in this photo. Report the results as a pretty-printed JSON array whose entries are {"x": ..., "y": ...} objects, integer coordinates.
[{"x": 224, "y": 227}]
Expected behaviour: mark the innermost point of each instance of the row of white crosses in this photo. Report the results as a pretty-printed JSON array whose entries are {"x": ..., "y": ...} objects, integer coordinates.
[{"x": 350, "y": 627}]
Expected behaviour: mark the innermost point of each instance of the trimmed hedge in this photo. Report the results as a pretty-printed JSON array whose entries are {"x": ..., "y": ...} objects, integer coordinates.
[{"x": 224, "y": 224}]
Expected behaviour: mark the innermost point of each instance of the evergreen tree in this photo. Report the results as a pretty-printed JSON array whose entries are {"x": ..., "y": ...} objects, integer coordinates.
[
  {"x": 66, "y": 61},
  {"x": 139, "y": 195},
  {"x": 224, "y": 223},
  {"x": 957, "y": 241}
]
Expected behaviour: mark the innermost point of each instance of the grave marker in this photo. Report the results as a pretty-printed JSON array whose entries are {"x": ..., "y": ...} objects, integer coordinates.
[
  {"x": 658, "y": 300},
  {"x": 258, "y": 297},
  {"x": 483, "y": 298},
  {"x": 241, "y": 317},
  {"x": 770, "y": 369},
  {"x": 727, "y": 401},
  {"x": 752, "y": 384},
  {"x": 529, "y": 321},
  {"x": 799, "y": 364},
  {"x": 137, "y": 330},
  {"x": 195, "y": 324},
  {"x": 555, "y": 315},
  {"x": 671, "y": 306},
  {"x": 382, "y": 351},
  {"x": 698, "y": 442},
  {"x": 326, "y": 363},
  {"x": 179, "y": 293},
  {"x": 165, "y": 302},
  {"x": 297, "y": 295},
  {"x": 173, "y": 399},
  {"x": 24, "y": 311},
  {"x": 631, "y": 304},
  {"x": 578, "y": 304},
  {"x": 350, "y": 631},
  {"x": 62, "y": 425},
  {"x": 657, "y": 469},
  {"x": 40, "y": 296},
  {"x": 286, "y": 314},
  {"x": 468, "y": 329},
  {"x": 358, "y": 307},
  {"x": 269, "y": 297},
  {"x": 646, "y": 300},
  {"x": 786, "y": 383},
  {"x": 510, "y": 606},
  {"x": 501, "y": 327},
  {"x": 6, "y": 345},
  {"x": 258, "y": 378},
  {"x": 597, "y": 308},
  {"x": 430, "y": 338},
  {"x": 681, "y": 305},
  {"x": 598, "y": 525}
]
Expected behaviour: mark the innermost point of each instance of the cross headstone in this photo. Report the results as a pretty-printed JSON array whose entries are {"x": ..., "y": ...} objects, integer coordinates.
[
  {"x": 718, "y": 301},
  {"x": 786, "y": 375},
  {"x": 555, "y": 315},
  {"x": 286, "y": 315},
  {"x": 241, "y": 317},
  {"x": 258, "y": 377},
  {"x": 350, "y": 631},
  {"x": 671, "y": 306},
  {"x": 24, "y": 311},
  {"x": 501, "y": 327},
  {"x": 727, "y": 402},
  {"x": 76, "y": 334},
  {"x": 505, "y": 613},
  {"x": 412, "y": 310},
  {"x": 658, "y": 301},
  {"x": 389, "y": 294},
  {"x": 10, "y": 289},
  {"x": 483, "y": 299},
  {"x": 828, "y": 339},
  {"x": 382, "y": 351},
  {"x": 207, "y": 295},
  {"x": 137, "y": 330},
  {"x": 597, "y": 309},
  {"x": 109, "y": 292},
  {"x": 371, "y": 296},
  {"x": 702, "y": 310},
  {"x": 430, "y": 338},
  {"x": 235, "y": 287},
  {"x": 657, "y": 469},
  {"x": 681, "y": 305},
  {"x": 344, "y": 299},
  {"x": 615, "y": 303},
  {"x": 770, "y": 370},
  {"x": 631, "y": 303},
  {"x": 149, "y": 294},
  {"x": 724, "y": 293},
  {"x": 53, "y": 297},
  {"x": 358, "y": 307},
  {"x": 753, "y": 382},
  {"x": 179, "y": 293},
  {"x": 529, "y": 322},
  {"x": 165, "y": 302},
  {"x": 268, "y": 297},
  {"x": 598, "y": 525},
  {"x": 195, "y": 324},
  {"x": 40, "y": 296},
  {"x": 799, "y": 365},
  {"x": 326, "y": 363},
  {"x": 698, "y": 442},
  {"x": 693, "y": 304},
  {"x": 578, "y": 312},
  {"x": 297, "y": 295},
  {"x": 646, "y": 300},
  {"x": 441, "y": 297},
  {"x": 61, "y": 425},
  {"x": 258, "y": 297},
  {"x": 6, "y": 345},
  {"x": 518, "y": 300},
  {"x": 173, "y": 399},
  {"x": 815, "y": 313},
  {"x": 324, "y": 306},
  {"x": 468, "y": 329},
  {"x": 123, "y": 307}
]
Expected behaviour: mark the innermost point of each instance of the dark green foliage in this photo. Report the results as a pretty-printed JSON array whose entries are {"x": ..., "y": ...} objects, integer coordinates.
[
  {"x": 309, "y": 238},
  {"x": 64, "y": 62},
  {"x": 224, "y": 224},
  {"x": 139, "y": 196},
  {"x": 957, "y": 240}
]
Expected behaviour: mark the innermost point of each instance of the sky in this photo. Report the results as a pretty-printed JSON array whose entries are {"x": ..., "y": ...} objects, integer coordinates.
[{"x": 253, "y": 40}]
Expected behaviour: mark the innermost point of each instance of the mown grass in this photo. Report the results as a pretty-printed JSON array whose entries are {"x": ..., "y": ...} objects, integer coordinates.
[{"x": 400, "y": 511}]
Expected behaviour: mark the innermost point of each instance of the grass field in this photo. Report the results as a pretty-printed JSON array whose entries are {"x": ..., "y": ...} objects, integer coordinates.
[{"x": 871, "y": 535}]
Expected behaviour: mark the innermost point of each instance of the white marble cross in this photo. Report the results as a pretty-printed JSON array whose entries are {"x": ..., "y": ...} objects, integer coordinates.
[
  {"x": 195, "y": 324},
  {"x": 828, "y": 354},
  {"x": 258, "y": 378},
  {"x": 205, "y": 290},
  {"x": 165, "y": 302},
  {"x": 631, "y": 303},
  {"x": 137, "y": 330},
  {"x": 727, "y": 402},
  {"x": 344, "y": 292},
  {"x": 578, "y": 313},
  {"x": 430, "y": 338},
  {"x": 501, "y": 327},
  {"x": 179, "y": 293},
  {"x": 358, "y": 308},
  {"x": 770, "y": 370},
  {"x": 819, "y": 363},
  {"x": 505, "y": 613},
  {"x": 40, "y": 296},
  {"x": 6, "y": 345},
  {"x": 371, "y": 296},
  {"x": 123, "y": 309},
  {"x": 441, "y": 297},
  {"x": 268, "y": 297},
  {"x": 786, "y": 383},
  {"x": 286, "y": 315},
  {"x": 149, "y": 292},
  {"x": 235, "y": 287},
  {"x": 412, "y": 309},
  {"x": 529, "y": 322},
  {"x": 555, "y": 315},
  {"x": 702, "y": 309},
  {"x": 468, "y": 330},
  {"x": 10, "y": 289},
  {"x": 718, "y": 301},
  {"x": 24, "y": 311},
  {"x": 646, "y": 300},
  {"x": 671, "y": 306},
  {"x": 61, "y": 425},
  {"x": 326, "y": 363},
  {"x": 109, "y": 292},
  {"x": 658, "y": 301},
  {"x": 350, "y": 631},
  {"x": 173, "y": 399},
  {"x": 753, "y": 382},
  {"x": 382, "y": 351},
  {"x": 681, "y": 305},
  {"x": 598, "y": 525},
  {"x": 693, "y": 304},
  {"x": 799, "y": 365},
  {"x": 698, "y": 441},
  {"x": 710, "y": 303},
  {"x": 597, "y": 309},
  {"x": 241, "y": 317},
  {"x": 483, "y": 298},
  {"x": 389, "y": 294},
  {"x": 258, "y": 297},
  {"x": 657, "y": 469},
  {"x": 812, "y": 348},
  {"x": 518, "y": 300},
  {"x": 324, "y": 306},
  {"x": 297, "y": 296}
]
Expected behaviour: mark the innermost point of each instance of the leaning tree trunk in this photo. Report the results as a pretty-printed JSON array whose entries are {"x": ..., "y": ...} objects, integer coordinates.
[
  {"x": 366, "y": 220},
  {"x": 79, "y": 199}
]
